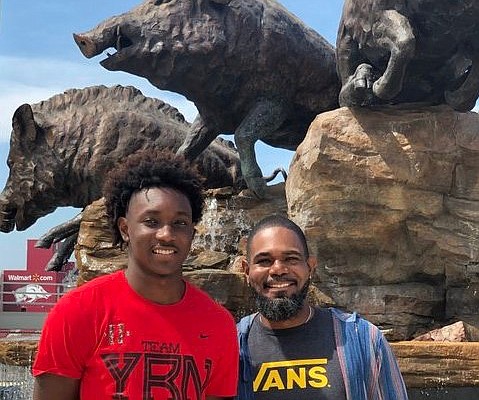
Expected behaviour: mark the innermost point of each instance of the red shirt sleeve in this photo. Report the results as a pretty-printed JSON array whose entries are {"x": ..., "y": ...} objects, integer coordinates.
[{"x": 68, "y": 338}]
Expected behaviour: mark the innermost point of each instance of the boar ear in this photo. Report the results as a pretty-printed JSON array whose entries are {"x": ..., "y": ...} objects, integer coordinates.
[{"x": 24, "y": 128}]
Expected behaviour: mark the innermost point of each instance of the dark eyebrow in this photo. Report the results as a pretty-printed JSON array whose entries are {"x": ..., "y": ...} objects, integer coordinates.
[
  {"x": 293, "y": 252},
  {"x": 184, "y": 213},
  {"x": 263, "y": 254},
  {"x": 157, "y": 213},
  {"x": 285, "y": 253}
]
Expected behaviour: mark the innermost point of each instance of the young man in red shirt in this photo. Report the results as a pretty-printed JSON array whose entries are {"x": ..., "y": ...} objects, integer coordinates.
[{"x": 142, "y": 333}]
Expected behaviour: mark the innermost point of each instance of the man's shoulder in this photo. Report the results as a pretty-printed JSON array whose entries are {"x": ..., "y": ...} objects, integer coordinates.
[
  {"x": 244, "y": 323},
  {"x": 344, "y": 316},
  {"x": 354, "y": 320},
  {"x": 99, "y": 284}
]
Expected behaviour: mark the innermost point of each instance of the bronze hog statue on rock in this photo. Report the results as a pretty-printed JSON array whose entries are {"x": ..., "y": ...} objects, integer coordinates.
[
  {"x": 61, "y": 149},
  {"x": 399, "y": 51},
  {"x": 250, "y": 67}
]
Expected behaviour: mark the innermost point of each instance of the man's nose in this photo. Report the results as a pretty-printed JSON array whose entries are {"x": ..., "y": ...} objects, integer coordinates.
[
  {"x": 278, "y": 267},
  {"x": 165, "y": 232}
]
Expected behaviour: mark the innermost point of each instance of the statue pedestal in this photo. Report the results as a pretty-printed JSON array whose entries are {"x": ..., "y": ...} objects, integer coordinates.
[
  {"x": 389, "y": 201},
  {"x": 431, "y": 370}
]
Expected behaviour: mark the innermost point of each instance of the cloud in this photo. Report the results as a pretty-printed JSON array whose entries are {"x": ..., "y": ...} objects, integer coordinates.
[{"x": 30, "y": 80}]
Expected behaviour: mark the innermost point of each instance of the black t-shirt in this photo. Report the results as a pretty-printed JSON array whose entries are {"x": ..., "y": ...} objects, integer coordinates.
[{"x": 299, "y": 363}]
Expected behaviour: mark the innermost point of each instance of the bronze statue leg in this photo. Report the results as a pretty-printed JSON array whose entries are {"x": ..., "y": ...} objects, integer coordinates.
[
  {"x": 348, "y": 57},
  {"x": 357, "y": 91},
  {"x": 197, "y": 139},
  {"x": 60, "y": 258},
  {"x": 264, "y": 118},
  {"x": 464, "y": 98},
  {"x": 356, "y": 78},
  {"x": 393, "y": 32},
  {"x": 60, "y": 232},
  {"x": 68, "y": 231}
]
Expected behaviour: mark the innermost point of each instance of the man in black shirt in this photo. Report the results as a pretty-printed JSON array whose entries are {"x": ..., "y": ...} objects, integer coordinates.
[{"x": 292, "y": 350}]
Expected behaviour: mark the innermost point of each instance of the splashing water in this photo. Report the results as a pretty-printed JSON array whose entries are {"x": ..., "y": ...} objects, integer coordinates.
[{"x": 223, "y": 226}]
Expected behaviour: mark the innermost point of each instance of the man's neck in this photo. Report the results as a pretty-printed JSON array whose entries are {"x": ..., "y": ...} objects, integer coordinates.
[
  {"x": 302, "y": 317},
  {"x": 162, "y": 290}
]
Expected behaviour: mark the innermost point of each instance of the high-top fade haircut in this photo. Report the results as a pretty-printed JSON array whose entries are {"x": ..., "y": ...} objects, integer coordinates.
[
  {"x": 146, "y": 169},
  {"x": 275, "y": 221}
]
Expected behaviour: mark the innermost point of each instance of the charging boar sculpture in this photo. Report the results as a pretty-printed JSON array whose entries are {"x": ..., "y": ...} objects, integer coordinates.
[
  {"x": 61, "y": 148},
  {"x": 250, "y": 67},
  {"x": 409, "y": 51}
]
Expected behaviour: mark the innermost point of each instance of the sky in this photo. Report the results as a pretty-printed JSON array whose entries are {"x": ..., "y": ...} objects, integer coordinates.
[{"x": 38, "y": 59}]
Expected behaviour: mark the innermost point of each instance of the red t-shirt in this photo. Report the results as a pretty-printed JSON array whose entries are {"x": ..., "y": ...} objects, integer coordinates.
[{"x": 120, "y": 344}]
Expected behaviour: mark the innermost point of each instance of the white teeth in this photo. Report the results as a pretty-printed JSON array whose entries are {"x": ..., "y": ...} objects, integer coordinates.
[
  {"x": 163, "y": 252},
  {"x": 279, "y": 285}
]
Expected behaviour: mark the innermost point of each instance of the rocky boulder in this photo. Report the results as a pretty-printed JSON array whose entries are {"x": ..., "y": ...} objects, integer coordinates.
[{"x": 389, "y": 200}]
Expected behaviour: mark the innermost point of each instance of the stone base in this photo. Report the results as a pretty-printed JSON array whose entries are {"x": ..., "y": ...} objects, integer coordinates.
[
  {"x": 389, "y": 201},
  {"x": 437, "y": 365},
  {"x": 429, "y": 368},
  {"x": 444, "y": 393}
]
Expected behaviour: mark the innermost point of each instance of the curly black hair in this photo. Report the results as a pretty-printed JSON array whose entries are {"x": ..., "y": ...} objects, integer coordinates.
[{"x": 150, "y": 169}]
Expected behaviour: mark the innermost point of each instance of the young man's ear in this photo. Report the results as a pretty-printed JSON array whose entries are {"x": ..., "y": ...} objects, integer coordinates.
[{"x": 123, "y": 228}]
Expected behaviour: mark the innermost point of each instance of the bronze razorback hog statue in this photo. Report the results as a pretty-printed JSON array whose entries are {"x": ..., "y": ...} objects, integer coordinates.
[
  {"x": 250, "y": 67},
  {"x": 61, "y": 148},
  {"x": 391, "y": 52}
]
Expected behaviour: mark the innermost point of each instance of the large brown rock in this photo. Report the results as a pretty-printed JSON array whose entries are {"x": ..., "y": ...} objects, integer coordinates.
[
  {"x": 436, "y": 364},
  {"x": 389, "y": 200},
  {"x": 457, "y": 332},
  {"x": 95, "y": 253}
]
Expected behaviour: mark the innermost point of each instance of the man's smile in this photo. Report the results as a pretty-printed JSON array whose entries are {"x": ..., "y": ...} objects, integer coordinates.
[
  {"x": 163, "y": 251},
  {"x": 278, "y": 284}
]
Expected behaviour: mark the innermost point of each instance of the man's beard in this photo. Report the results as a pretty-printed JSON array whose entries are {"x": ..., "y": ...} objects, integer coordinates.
[{"x": 280, "y": 308}]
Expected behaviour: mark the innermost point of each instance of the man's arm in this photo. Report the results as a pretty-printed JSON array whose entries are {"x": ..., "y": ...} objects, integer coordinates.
[
  {"x": 56, "y": 387},
  {"x": 390, "y": 381}
]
